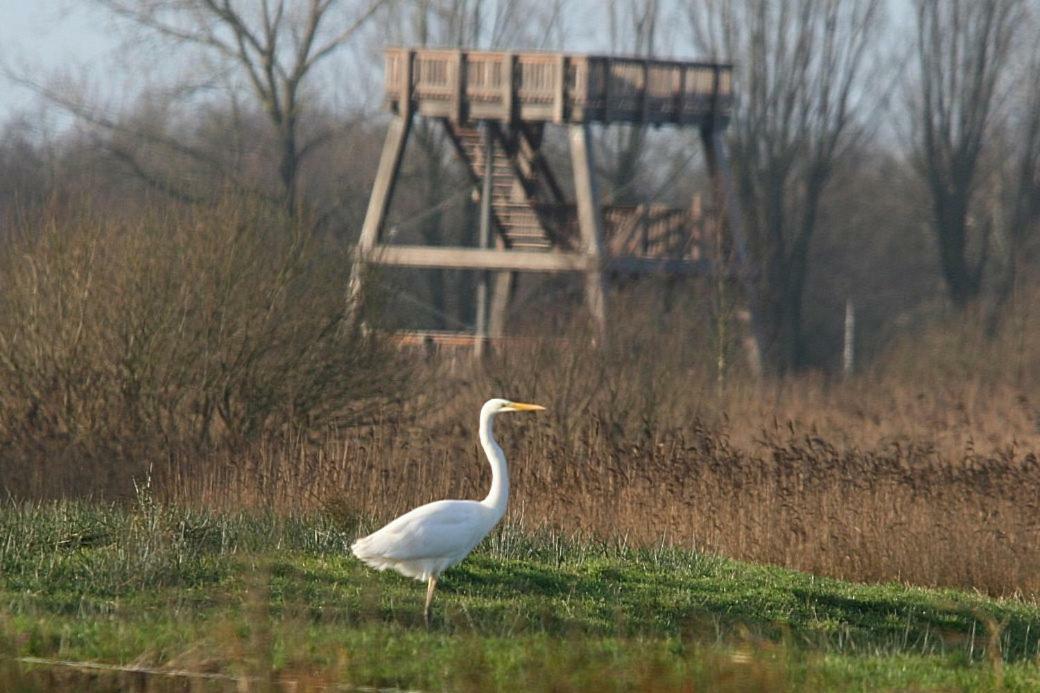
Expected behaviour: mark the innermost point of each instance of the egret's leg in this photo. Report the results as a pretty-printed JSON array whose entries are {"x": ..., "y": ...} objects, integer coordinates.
[{"x": 431, "y": 585}]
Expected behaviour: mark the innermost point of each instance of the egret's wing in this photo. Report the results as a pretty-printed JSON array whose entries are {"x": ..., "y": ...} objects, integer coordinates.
[{"x": 436, "y": 530}]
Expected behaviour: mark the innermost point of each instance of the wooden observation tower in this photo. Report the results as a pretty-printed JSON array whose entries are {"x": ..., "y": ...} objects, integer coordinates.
[{"x": 495, "y": 107}]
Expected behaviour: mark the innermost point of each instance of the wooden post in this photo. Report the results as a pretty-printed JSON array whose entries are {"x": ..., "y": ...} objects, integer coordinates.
[
  {"x": 560, "y": 92},
  {"x": 726, "y": 204},
  {"x": 502, "y": 280},
  {"x": 680, "y": 98},
  {"x": 405, "y": 105},
  {"x": 379, "y": 201},
  {"x": 644, "y": 93},
  {"x": 590, "y": 223},
  {"x": 458, "y": 94},
  {"x": 501, "y": 292},
  {"x": 484, "y": 238},
  {"x": 509, "y": 87}
]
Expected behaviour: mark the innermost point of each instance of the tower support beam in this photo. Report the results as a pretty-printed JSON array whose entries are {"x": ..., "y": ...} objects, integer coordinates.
[
  {"x": 590, "y": 224},
  {"x": 378, "y": 203},
  {"x": 484, "y": 240}
]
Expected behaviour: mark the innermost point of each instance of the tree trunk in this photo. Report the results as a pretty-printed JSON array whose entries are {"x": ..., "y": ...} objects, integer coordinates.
[
  {"x": 288, "y": 168},
  {"x": 952, "y": 231}
]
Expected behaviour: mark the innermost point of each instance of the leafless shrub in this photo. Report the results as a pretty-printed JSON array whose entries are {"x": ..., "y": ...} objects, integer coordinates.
[{"x": 174, "y": 331}]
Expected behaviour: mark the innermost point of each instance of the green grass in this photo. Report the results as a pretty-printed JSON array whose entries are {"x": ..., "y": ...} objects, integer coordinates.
[{"x": 272, "y": 597}]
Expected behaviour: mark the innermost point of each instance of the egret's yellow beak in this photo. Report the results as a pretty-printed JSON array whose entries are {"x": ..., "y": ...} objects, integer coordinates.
[{"x": 520, "y": 406}]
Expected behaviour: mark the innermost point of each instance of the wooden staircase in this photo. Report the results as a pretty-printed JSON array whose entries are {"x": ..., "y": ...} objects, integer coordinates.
[{"x": 521, "y": 184}]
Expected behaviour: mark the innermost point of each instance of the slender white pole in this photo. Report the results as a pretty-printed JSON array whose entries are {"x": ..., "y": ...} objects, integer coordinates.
[{"x": 848, "y": 356}]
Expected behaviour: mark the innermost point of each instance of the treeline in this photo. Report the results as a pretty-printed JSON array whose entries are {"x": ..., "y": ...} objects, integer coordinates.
[{"x": 884, "y": 154}]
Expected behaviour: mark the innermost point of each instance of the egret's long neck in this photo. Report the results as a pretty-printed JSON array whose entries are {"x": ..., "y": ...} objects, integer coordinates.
[{"x": 498, "y": 496}]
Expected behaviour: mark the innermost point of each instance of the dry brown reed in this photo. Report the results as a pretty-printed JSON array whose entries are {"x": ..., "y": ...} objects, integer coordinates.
[{"x": 899, "y": 511}]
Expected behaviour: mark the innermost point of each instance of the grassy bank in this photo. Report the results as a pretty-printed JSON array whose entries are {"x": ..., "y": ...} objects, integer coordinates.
[{"x": 281, "y": 599}]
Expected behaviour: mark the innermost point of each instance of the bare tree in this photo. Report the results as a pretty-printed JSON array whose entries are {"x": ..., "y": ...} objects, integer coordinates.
[
  {"x": 963, "y": 48},
  {"x": 274, "y": 45},
  {"x": 1017, "y": 201},
  {"x": 800, "y": 66}
]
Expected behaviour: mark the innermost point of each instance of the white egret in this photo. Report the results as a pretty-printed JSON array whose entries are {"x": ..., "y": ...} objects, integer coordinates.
[{"x": 425, "y": 542}]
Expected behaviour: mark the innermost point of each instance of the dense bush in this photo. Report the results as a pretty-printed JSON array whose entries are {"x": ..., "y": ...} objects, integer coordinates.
[{"x": 127, "y": 339}]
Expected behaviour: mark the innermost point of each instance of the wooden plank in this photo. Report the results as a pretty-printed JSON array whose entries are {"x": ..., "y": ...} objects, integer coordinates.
[
  {"x": 590, "y": 224},
  {"x": 378, "y": 203},
  {"x": 501, "y": 294},
  {"x": 680, "y": 98},
  {"x": 578, "y": 96},
  {"x": 392, "y": 69},
  {"x": 436, "y": 339},
  {"x": 434, "y": 109},
  {"x": 560, "y": 92},
  {"x": 386, "y": 178},
  {"x": 507, "y": 261},
  {"x": 447, "y": 257},
  {"x": 458, "y": 93},
  {"x": 509, "y": 87},
  {"x": 644, "y": 93},
  {"x": 405, "y": 108},
  {"x": 484, "y": 239}
]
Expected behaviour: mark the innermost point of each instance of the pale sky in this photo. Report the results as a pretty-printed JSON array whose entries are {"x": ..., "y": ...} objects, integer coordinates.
[
  {"x": 66, "y": 38},
  {"x": 47, "y": 35}
]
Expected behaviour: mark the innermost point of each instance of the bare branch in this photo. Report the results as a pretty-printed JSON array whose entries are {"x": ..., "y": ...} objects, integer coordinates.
[
  {"x": 147, "y": 18},
  {"x": 160, "y": 184},
  {"x": 273, "y": 47},
  {"x": 344, "y": 35},
  {"x": 963, "y": 49},
  {"x": 85, "y": 113}
]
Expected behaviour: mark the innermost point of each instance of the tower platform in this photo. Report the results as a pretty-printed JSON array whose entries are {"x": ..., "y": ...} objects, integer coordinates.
[{"x": 559, "y": 88}]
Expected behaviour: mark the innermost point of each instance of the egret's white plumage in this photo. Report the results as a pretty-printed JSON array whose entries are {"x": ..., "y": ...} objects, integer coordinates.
[{"x": 425, "y": 542}]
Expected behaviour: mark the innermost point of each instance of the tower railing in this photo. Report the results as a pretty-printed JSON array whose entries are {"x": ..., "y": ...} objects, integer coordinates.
[{"x": 557, "y": 87}]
